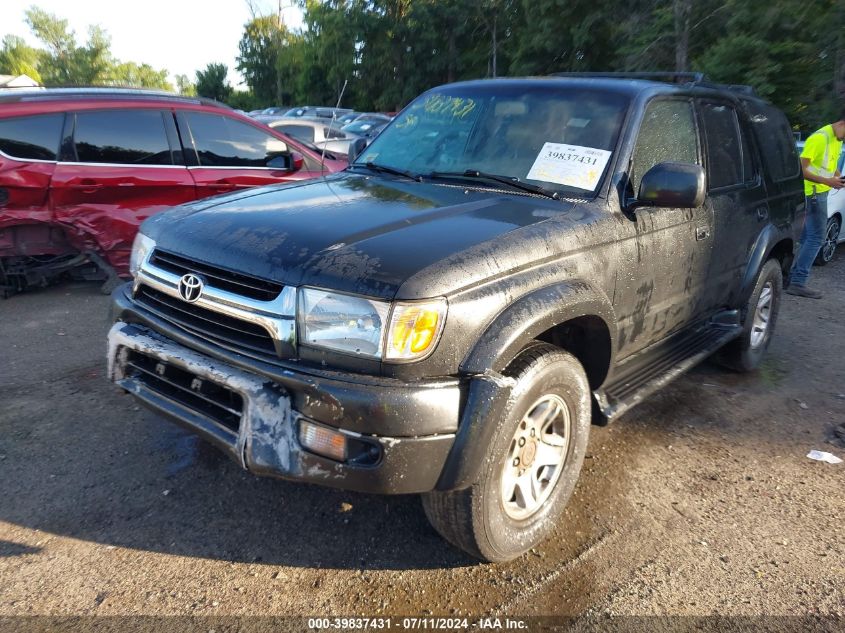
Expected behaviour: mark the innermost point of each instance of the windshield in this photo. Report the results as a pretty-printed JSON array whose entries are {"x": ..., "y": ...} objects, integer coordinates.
[
  {"x": 362, "y": 127},
  {"x": 559, "y": 138}
]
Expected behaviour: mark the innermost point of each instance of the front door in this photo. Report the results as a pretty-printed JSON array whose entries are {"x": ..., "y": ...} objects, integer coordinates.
[
  {"x": 232, "y": 154},
  {"x": 664, "y": 252}
]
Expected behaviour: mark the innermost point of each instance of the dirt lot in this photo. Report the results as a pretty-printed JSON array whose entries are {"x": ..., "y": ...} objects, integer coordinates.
[{"x": 701, "y": 501}]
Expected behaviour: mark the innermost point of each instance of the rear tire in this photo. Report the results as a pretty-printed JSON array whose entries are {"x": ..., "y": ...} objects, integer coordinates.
[
  {"x": 745, "y": 353},
  {"x": 533, "y": 461}
]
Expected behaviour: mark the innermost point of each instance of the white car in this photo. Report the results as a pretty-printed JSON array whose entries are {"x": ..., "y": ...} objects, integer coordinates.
[
  {"x": 323, "y": 133},
  {"x": 833, "y": 235}
]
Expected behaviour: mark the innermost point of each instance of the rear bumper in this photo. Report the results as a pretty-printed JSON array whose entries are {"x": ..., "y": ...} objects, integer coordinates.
[{"x": 260, "y": 432}]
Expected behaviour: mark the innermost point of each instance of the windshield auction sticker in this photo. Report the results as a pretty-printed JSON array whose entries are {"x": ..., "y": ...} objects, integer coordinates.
[{"x": 570, "y": 165}]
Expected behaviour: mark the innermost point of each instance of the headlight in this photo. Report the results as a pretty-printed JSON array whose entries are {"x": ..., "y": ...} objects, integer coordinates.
[
  {"x": 414, "y": 329},
  {"x": 357, "y": 325},
  {"x": 342, "y": 322},
  {"x": 141, "y": 249}
]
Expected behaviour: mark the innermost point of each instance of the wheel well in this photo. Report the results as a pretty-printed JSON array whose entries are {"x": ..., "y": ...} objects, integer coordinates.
[
  {"x": 782, "y": 251},
  {"x": 588, "y": 339}
]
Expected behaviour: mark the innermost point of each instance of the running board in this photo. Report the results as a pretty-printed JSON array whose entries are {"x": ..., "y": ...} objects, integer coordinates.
[{"x": 655, "y": 367}]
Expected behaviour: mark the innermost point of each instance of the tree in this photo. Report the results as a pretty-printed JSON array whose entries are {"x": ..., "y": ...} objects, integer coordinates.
[
  {"x": 212, "y": 84},
  {"x": 144, "y": 75},
  {"x": 185, "y": 86},
  {"x": 260, "y": 48},
  {"x": 63, "y": 62},
  {"x": 17, "y": 58}
]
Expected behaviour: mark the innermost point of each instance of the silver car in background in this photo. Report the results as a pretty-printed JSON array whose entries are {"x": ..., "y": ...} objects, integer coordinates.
[{"x": 322, "y": 133}]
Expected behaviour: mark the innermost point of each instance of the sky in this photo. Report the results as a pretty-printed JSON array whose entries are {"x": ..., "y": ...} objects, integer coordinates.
[{"x": 182, "y": 36}]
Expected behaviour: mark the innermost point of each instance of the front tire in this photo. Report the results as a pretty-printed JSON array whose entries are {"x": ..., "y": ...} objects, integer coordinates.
[
  {"x": 831, "y": 237},
  {"x": 761, "y": 312},
  {"x": 533, "y": 461}
]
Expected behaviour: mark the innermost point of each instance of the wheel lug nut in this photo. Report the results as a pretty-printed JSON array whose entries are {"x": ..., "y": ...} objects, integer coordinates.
[
  {"x": 532, "y": 432},
  {"x": 516, "y": 461},
  {"x": 522, "y": 441}
]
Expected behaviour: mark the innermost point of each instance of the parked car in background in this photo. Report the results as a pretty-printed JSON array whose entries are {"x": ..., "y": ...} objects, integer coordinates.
[
  {"x": 367, "y": 125},
  {"x": 315, "y": 111},
  {"x": 323, "y": 133},
  {"x": 348, "y": 117},
  {"x": 834, "y": 234},
  {"x": 80, "y": 169},
  {"x": 274, "y": 111}
]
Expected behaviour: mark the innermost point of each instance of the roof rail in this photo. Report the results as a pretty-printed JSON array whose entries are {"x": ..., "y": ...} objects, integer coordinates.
[
  {"x": 99, "y": 92},
  {"x": 673, "y": 77}
]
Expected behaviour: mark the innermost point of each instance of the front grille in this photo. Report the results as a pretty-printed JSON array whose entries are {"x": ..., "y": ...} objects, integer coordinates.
[
  {"x": 214, "y": 401},
  {"x": 229, "y": 332},
  {"x": 244, "y": 285}
]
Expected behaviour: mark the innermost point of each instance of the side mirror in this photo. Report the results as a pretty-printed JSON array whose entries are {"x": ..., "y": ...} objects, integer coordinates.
[
  {"x": 679, "y": 185},
  {"x": 286, "y": 161},
  {"x": 355, "y": 148}
]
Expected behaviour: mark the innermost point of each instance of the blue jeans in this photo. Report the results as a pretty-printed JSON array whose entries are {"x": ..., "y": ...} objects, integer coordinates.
[{"x": 815, "y": 225}]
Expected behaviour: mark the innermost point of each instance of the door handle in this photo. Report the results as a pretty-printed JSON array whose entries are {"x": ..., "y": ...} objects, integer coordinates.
[
  {"x": 701, "y": 233},
  {"x": 222, "y": 186},
  {"x": 86, "y": 185},
  {"x": 762, "y": 213}
]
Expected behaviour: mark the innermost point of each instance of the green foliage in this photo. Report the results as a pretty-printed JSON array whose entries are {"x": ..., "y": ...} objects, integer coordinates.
[
  {"x": 244, "y": 100},
  {"x": 791, "y": 51},
  {"x": 63, "y": 62},
  {"x": 212, "y": 84},
  {"x": 17, "y": 58},
  {"x": 184, "y": 86}
]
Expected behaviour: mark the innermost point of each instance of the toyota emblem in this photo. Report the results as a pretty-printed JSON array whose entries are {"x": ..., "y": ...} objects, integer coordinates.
[{"x": 190, "y": 287}]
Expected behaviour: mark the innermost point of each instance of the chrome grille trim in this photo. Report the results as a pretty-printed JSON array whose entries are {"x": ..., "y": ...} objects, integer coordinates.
[{"x": 278, "y": 316}]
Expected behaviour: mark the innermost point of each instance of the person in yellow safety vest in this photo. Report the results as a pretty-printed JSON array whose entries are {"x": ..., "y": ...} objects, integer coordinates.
[{"x": 818, "y": 162}]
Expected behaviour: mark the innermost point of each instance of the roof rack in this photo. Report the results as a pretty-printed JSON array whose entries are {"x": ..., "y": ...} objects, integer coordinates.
[
  {"x": 673, "y": 77},
  {"x": 99, "y": 92}
]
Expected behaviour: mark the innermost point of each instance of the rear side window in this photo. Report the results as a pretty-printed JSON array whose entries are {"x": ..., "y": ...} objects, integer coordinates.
[
  {"x": 124, "y": 137},
  {"x": 225, "y": 142},
  {"x": 774, "y": 137},
  {"x": 724, "y": 156},
  {"x": 333, "y": 133},
  {"x": 667, "y": 134},
  {"x": 304, "y": 132},
  {"x": 32, "y": 137}
]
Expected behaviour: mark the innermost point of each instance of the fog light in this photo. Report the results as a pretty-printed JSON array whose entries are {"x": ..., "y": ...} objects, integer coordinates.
[{"x": 323, "y": 441}]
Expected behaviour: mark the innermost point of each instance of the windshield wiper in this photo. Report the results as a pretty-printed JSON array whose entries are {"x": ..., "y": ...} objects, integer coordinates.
[
  {"x": 386, "y": 170},
  {"x": 511, "y": 181}
]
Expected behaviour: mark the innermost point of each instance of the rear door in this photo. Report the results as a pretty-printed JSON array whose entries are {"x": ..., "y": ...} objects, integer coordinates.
[
  {"x": 226, "y": 154},
  {"x": 29, "y": 147},
  {"x": 118, "y": 167},
  {"x": 736, "y": 194}
]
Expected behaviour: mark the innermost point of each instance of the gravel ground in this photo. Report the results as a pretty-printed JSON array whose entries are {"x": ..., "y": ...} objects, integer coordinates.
[{"x": 701, "y": 501}]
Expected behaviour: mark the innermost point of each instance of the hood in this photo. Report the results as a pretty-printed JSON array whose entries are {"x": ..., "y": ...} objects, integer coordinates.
[{"x": 351, "y": 232}]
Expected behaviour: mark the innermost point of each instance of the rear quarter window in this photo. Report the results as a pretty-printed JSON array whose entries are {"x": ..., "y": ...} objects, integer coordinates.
[
  {"x": 34, "y": 137},
  {"x": 775, "y": 140}
]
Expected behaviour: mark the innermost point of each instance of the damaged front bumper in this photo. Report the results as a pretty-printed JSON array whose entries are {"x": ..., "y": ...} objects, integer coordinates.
[{"x": 254, "y": 418}]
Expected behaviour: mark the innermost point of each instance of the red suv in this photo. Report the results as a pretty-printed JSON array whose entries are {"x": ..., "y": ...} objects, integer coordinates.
[{"x": 80, "y": 169}]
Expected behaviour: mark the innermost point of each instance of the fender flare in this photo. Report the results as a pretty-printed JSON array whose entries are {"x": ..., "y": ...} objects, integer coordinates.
[
  {"x": 489, "y": 391},
  {"x": 533, "y": 314},
  {"x": 766, "y": 241}
]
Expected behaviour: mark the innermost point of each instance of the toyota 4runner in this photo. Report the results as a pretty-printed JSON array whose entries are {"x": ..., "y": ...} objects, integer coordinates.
[{"x": 509, "y": 261}]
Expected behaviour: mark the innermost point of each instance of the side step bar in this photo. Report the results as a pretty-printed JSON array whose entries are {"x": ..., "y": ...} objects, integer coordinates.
[{"x": 655, "y": 367}]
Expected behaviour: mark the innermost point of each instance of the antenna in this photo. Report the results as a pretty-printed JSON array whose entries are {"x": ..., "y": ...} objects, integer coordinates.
[{"x": 334, "y": 116}]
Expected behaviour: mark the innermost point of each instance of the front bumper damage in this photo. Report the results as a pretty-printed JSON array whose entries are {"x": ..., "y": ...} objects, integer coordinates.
[{"x": 258, "y": 422}]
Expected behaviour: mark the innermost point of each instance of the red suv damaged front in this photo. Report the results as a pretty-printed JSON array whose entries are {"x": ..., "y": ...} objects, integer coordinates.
[{"x": 80, "y": 169}]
